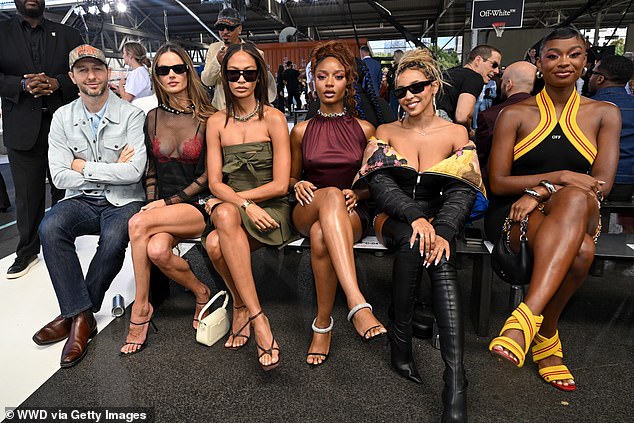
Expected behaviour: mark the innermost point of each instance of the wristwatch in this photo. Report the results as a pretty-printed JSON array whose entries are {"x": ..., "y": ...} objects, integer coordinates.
[{"x": 246, "y": 204}]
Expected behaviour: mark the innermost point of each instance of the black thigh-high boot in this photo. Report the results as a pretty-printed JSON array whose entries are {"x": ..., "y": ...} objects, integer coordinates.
[
  {"x": 449, "y": 316},
  {"x": 405, "y": 273}
]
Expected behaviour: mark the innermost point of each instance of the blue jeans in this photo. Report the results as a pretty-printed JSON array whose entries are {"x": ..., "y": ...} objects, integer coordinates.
[{"x": 75, "y": 217}]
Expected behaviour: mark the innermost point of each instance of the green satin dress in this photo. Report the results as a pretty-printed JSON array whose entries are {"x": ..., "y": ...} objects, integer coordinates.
[{"x": 247, "y": 166}]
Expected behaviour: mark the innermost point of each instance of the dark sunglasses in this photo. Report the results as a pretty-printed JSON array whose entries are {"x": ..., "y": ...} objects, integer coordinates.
[
  {"x": 250, "y": 75},
  {"x": 415, "y": 88},
  {"x": 222, "y": 27},
  {"x": 494, "y": 64},
  {"x": 165, "y": 70}
]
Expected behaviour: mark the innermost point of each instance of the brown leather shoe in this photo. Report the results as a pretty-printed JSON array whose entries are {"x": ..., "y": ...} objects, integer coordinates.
[
  {"x": 54, "y": 331},
  {"x": 83, "y": 328}
]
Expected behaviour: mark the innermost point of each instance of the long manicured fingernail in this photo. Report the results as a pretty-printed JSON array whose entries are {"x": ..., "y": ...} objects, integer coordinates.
[{"x": 300, "y": 202}]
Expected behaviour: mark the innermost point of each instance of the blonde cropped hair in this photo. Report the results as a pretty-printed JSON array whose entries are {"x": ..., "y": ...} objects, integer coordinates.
[{"x": 422, "y": 60}]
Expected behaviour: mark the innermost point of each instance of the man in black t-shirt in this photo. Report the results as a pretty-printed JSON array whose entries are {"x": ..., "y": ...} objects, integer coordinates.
[
  {"x": 465, "y": 83},
  {"x": 291, "y": 80}
]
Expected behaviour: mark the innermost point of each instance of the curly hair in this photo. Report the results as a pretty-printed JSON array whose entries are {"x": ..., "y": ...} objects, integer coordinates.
[
  {"x": 423, "y": 61},
  {"x": 341, "y": 52},
  {"x": 196, "y": 91}
]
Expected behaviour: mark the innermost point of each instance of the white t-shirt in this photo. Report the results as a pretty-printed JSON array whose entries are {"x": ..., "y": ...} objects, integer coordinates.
[{"x": 138, "y": 82}]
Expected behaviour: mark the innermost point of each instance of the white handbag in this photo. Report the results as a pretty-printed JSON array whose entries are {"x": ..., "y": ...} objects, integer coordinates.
[{"x": 216, "y": 325}]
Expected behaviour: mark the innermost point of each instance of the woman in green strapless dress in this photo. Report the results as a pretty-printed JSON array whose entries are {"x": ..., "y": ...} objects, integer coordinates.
[{"x": 248, "y": 162}]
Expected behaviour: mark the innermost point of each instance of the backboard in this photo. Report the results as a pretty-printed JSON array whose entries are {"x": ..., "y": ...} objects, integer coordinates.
[{"x": 486, "y": 12}]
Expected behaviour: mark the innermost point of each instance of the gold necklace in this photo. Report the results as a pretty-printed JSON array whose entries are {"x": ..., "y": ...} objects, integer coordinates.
[{"x": 413, "y": 129}]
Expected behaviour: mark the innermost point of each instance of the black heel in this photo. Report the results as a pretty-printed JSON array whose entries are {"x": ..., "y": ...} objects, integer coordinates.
[
  {"x": 266, "y": 351},
  {"x": 401, "y": 355},
  {"x": 142, "y": 346}
]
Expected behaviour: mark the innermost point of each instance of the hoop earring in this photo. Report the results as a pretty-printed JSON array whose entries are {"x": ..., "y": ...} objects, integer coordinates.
[
  {"x": 400, "y": 116},
  {"x": 433, "y": 103},
  {"x": 584, "y": 72},
  {"x": 539, "y": 74}
]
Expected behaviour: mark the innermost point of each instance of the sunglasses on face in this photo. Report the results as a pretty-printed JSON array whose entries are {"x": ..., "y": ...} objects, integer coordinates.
[
  {"x": 494, "y": 64},
  {"x": 222, "y": 27},
  {"x": 165, "y": 70},
  {"x": 250, "y": 75},
  {"x": 415, "y": 88}
]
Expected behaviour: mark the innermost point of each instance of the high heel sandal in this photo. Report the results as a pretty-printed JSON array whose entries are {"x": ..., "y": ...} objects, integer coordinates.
[
  {"x": 233, "y": 335},
  {"x": 324, "y": 356},
  {"x": 196, "y": 321},
  {"x": 358, "y": 308},
  {"x": 522, "y": 319},
  {"x": 546, "y": 347},
  {"x": 144, "y": 344},
  {"x": 266, "y": 351}
]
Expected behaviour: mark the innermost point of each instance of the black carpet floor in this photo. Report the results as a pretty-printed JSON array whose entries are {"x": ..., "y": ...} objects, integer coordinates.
[{"x": 183, "y": 381}]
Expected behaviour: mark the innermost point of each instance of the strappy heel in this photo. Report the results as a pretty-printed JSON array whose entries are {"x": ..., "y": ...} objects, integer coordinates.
[
  {"x": 546, "y": 347},
  {"x": 523, "y": 320},
  {"x": 196, "y": 320},
  {"x": 233, "y": 335},
  {"x": 358, "y": 308},
  {"x": 144, "y": 344},
  {"x": 326, "y": 330},
  {"x": 266, "y": 351}
]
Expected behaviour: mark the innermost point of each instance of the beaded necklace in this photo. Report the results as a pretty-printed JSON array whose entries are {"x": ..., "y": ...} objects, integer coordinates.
[
  {"x": 188, "y": 111},
  {"x": 248, "y": 116},
  {"x": 332, "y": 115}
]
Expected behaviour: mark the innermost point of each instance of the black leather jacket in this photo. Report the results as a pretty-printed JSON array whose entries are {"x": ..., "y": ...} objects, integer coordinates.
[{"x": 407, "y": 195}]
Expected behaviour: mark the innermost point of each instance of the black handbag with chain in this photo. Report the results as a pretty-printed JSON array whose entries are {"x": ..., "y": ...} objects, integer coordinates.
[{"x": 511, "y": 267}]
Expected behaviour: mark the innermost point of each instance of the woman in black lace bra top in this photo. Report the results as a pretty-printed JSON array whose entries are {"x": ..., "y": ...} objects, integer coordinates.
[{"x": 176, "y": 181}]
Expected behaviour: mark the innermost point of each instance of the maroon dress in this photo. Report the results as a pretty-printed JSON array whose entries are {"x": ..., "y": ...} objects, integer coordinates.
[{"x": 332, "y": 151}]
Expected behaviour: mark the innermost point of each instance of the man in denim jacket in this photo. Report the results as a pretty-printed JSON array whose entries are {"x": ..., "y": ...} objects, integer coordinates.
[{"x": 97, "y": 153}]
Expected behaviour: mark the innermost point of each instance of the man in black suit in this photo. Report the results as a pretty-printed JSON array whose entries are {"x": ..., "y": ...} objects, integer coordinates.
[{"x": 34, "y": 82}]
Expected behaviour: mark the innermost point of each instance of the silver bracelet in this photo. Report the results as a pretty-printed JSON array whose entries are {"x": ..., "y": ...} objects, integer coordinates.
[
  {"x": 549, "y": 186},
  {"x": 296, "y": 183},
  {"x": 532, "y": 193}
]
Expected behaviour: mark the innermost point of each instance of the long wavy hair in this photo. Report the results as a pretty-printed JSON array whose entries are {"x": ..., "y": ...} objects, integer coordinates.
[
  {"x": 422, "y": 60},
  {"x": 196, "y": 91},
  {"x": 261, "y": 83},
  {"x": 341, "y": 52}
]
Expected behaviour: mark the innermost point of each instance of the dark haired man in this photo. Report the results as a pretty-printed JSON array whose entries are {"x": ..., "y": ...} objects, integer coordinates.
[
  {"x": 607, "y": 83},
  {"x": 293, "y": 87},
  {"x": 97, "y": 153},
  {"x": 465, "y": 83},
  {"x": 229, "y": 26},
  {"x": 34, "y": 82}
]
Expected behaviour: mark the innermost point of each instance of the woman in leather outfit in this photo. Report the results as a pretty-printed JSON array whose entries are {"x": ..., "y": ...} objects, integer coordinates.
[{"x": 424, "y": 176}]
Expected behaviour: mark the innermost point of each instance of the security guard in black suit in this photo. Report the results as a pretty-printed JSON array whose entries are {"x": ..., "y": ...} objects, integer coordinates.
[{"x": 34, "y": 82}]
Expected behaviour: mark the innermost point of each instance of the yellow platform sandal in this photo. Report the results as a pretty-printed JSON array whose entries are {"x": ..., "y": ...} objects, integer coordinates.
[
  {"x": 522, "y": 319},
  {"x": 546, "y": 347}
]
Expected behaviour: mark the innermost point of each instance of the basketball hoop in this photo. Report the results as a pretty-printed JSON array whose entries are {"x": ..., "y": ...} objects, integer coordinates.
[{"x": 499, "y": 28}]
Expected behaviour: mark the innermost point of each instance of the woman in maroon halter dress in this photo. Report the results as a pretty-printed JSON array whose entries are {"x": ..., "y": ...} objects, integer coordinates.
[{"x": 326, "y": 153}]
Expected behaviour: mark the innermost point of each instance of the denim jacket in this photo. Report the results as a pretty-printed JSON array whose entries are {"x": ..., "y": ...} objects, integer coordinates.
[
  {"x": 625, "y": 102},
  {"x": 71, "y": 137}
]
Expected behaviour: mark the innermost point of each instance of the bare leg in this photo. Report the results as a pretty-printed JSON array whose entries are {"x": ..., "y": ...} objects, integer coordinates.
[
  {"x": 160, "y": 252},
  {"x": 326, "y": 287},
  {"x": 236, "y": 251},
  {"x": 560, "y": 263},
  {"x": 338, "y": 233},
  {"x": 240, "y": 312},
  {"x": 178, "y": 220}
]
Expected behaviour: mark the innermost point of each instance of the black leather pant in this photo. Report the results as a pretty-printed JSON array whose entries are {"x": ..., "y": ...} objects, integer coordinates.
[{"x": 408, "y": 265}]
